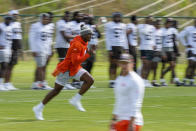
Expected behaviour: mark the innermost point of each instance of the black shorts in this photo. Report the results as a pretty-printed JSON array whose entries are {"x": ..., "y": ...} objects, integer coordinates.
[
  {"x": 157, "y": 56},
  {"x": 14, "y": 58},
  {"x": 62, "y": 53},
  {"x": 147, "y": 54},
  {"x": 170, "y": 56},
  {"x": 16, "y": 44},
  {"x": 191, "y": 55},
  {"x": 117, "y": 51}
]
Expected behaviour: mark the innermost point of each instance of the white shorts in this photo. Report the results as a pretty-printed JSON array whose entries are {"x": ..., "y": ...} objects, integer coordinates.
[
  {"x": 63, "y": 78},
  {"x": 41, "y": 59},
  {"x": 5, "y": 56}
]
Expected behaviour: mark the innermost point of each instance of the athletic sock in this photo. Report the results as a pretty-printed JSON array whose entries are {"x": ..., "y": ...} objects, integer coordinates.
[
  {"x": 176, "y": 79},
  {"x": 40, "y": 105},
  {"x": 77, "y": 97},
  {"x": 162, "y": 80},
  {"x": 192, "y": 80}
]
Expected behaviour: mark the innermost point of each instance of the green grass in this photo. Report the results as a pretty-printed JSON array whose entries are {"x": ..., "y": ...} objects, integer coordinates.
[{"x": 164, "y": 109}]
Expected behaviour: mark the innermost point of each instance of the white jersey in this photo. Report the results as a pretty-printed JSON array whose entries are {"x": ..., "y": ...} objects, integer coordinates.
[
  {"x": 75, "y": 27},
  {"x": 51, "y": 28},
  {"x": 6, "y": 36},
  {"x": 94, "y": 37},
  {"x": 147, "y": 36},
  {"x": 133, "y": 36},
  {"x": 129, "y": 93},
  {"x": 17, "y": 30},
  {"x": 190, "y": 34},
  {"x": 64, "y": 26},
  {"x": 168, "y": 37},
  {"x": 159, "y": 39},
  {"x": 39, "y": 37},
  {"x": 115, "y": 34}
]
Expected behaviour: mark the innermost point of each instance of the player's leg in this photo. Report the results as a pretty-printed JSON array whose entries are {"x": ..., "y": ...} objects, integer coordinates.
[
  {"x": 45, "y": 83},
  {"x": 61, "y": 80},
  {"x": 112, "y": 69},
  {"x": 8, "y": 74},
  {"x": 133, "y": 52},
  {"x": 3, "y": 66},
  {"x": 39, "y": 72},
  {"x": 88, "y": 81}
]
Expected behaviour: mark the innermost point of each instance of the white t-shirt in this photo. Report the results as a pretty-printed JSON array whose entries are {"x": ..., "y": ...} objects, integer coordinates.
[
  {"x": 94, "y": 37},
  {"x": 6, "y": 36},
  {"x": 51, "y": 28},
  {"x": 75, "y": 27},
  {"x": 17, "y": 30},
  {"x": 129, "y": 93},
  {"x": 190, "y": 34},
  {"x": 168, "y": 36},
  {"x": 159, "y": 39},
  {"x": 133, "y": 36},
  {"x": 64, "y": 26},
  {"x": 147, "y": 36},
  {"x": 39, "y": 37},
  {"x": 115, "y": 34}
]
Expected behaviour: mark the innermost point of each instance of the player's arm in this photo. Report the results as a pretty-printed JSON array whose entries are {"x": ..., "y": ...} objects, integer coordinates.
[
  {"x": 76, "y": 58},
  {"x": 113, "y": 122},
  {"x": 175, "y": 37},
  {"x": 182, "y": 36},
  {"x": 136, "y": 97},
  {"x": 131, "y": 124},
  {"x": 129, "y": 31},
  {"x": 98, "y": 32}
]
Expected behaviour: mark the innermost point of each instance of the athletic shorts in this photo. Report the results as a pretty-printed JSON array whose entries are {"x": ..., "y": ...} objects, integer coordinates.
[
  {"x": 190, "y": 55},
  {"x": 5, "y": 56},
  {"x": 147, "y": 54},
  {"x": 170, "y": 56},
  {"x": 41, "y": 59},
  {"x": 117, "y": 51},
  {"x": 63, "y": 78},
  {"x": 157, "y": 56},
  {"x": 123, "y": 125},
  {"x": 62, "y": 53},
  {"x": 14, "y": 58}
]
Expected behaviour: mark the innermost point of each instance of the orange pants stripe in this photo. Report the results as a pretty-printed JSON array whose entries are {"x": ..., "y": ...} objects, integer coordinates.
[{"x": 124, "y": 126}]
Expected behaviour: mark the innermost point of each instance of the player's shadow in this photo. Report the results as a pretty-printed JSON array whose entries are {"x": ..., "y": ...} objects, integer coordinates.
[{"x": 23, "y": 121}]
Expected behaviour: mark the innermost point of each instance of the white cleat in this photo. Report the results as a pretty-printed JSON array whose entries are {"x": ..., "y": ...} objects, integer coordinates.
[
  {"x": 9, "y": 86},
  {"x": 69, "y": 87},
  {"x": 45, "y": 86},
  {"x": 77, "y": 105},
  {"x": 38, "y": 113},
  {"x": 2, "y": 88}
]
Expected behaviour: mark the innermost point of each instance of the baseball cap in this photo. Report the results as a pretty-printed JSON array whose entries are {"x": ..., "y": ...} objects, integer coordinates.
[
  {"x": 13, "y": 12},
  {"x": 125, "y": 58},
  {"x": 85, "y": 30}
]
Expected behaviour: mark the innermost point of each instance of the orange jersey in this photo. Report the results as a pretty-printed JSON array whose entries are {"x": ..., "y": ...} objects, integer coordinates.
[{"x": 75, "y": 56}]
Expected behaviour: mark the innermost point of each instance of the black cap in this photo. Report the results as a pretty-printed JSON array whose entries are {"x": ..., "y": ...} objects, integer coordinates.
[{"x": 114, "y": 14}]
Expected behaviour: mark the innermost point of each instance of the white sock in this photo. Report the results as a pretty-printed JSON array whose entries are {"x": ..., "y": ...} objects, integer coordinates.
[
  {"x": 192, "y": 80},
  {"x": 77, "y": 97},
  {"x": 162, "y": 80},
  {"x": 176, "y": 79},
  {"x": 1, "y": 80},
  {"x": 40, "y": 105},
  {"x": 154, "y": 81}
]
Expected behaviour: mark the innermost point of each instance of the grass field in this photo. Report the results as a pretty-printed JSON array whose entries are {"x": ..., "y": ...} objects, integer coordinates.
[{"x": 164, "y": 109}]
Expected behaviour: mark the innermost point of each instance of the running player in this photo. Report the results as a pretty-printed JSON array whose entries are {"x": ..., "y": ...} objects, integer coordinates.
[
  {"x": 16, "y": 48},
  {"x": 169, "y": 55},
  {"x": 129, "y": 93},
  {"x": 133, "y": 38},
  {"x": 70, "y": 68},
  {"x": 39, "y": 41},
  {"x": 75, "y": 26},
  {"x": 116, "y": 43},
  {"x": 157, "y": 55},
  {"x": 188, "y": 39},
  {"x": 147, "y": 45},
  {"x": 6, "y": 35}
]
